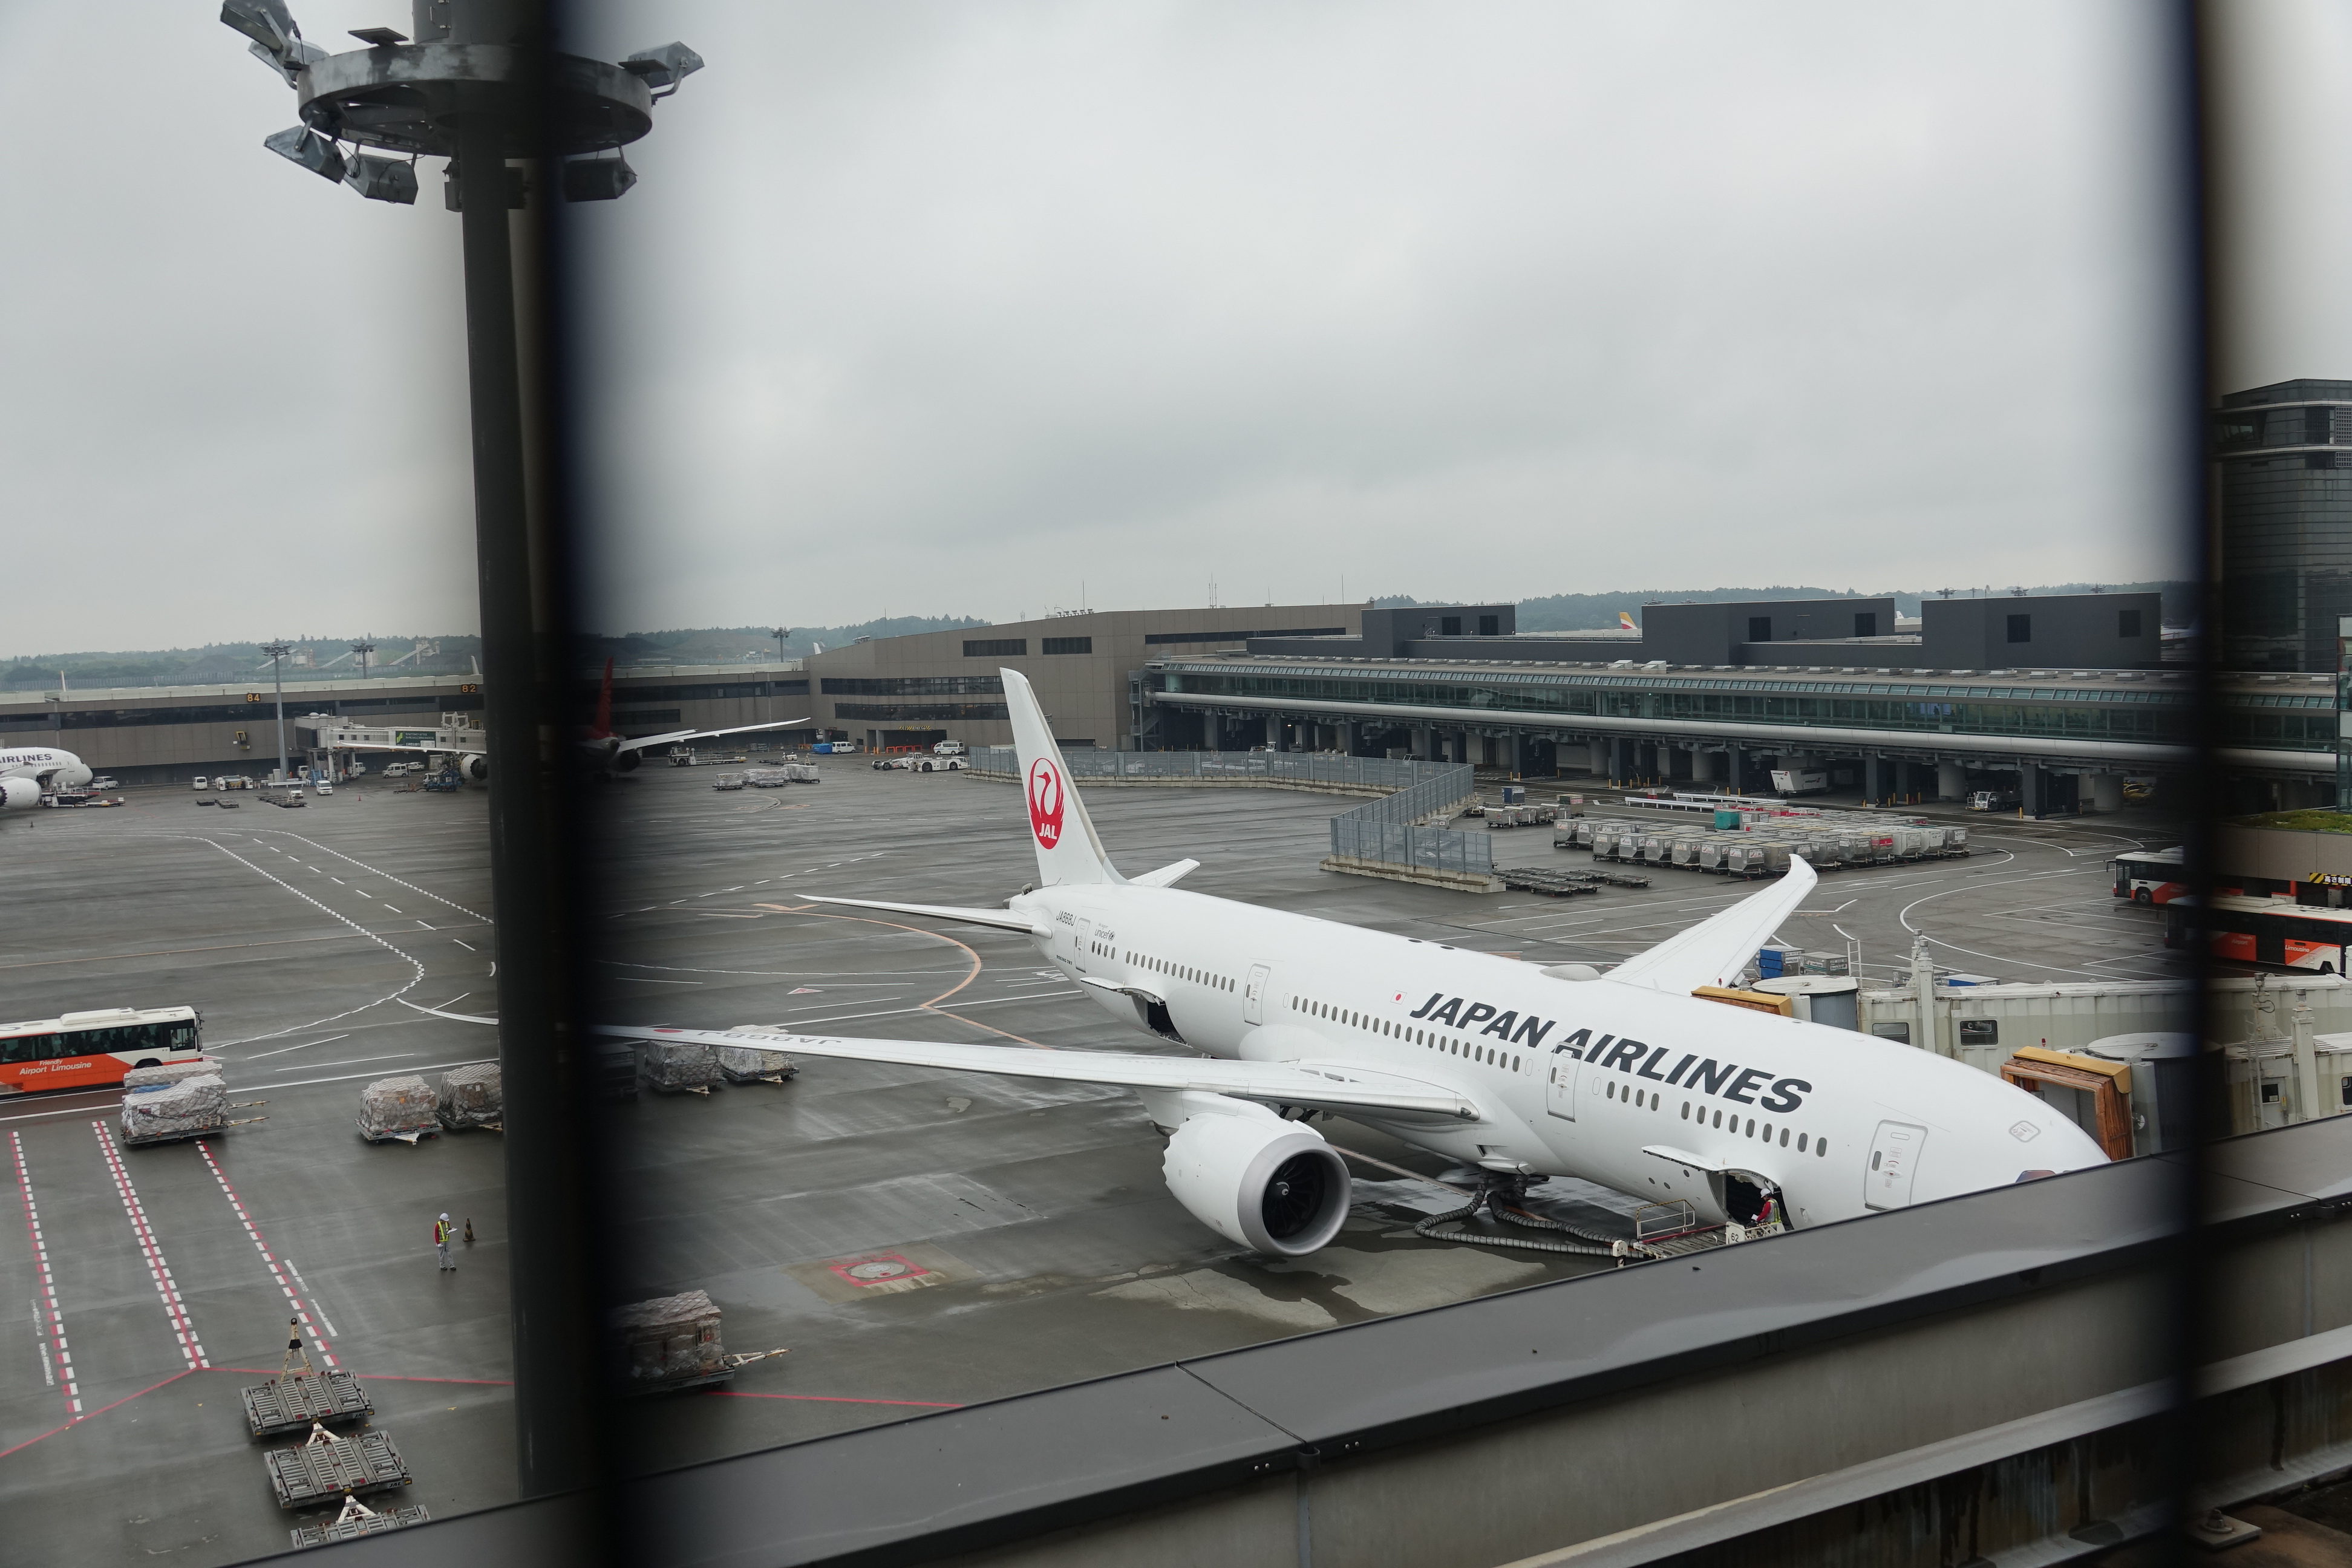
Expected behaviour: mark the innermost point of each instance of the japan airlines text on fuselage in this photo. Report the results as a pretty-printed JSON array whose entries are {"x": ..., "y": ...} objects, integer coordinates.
[
  {"x": 1573, "y": 1078},
  {"x": 44, "y": 764}
]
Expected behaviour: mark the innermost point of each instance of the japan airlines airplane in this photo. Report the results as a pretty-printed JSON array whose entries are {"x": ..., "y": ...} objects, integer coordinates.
[
  {"x": 1626, "y": 1078},
  {"x": 26, "y": 770}
]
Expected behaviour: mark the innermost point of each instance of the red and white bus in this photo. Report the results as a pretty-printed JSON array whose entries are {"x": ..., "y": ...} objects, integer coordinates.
[
  {"x": 93, "y": 1050},
  {"x": 2269, "y": 931},
  {"x": 2151, "y": 877}
]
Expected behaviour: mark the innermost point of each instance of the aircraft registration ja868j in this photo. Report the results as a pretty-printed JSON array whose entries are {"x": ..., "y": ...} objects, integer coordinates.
[{"x": 1625, "y": 1079}]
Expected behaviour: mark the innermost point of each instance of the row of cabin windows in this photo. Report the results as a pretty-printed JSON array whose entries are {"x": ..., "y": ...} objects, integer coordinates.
[
  {"x": 1180, "y": 972},
  {"x": 1492, "y": 1056},
  {"x": 1649, "y": 1099}
]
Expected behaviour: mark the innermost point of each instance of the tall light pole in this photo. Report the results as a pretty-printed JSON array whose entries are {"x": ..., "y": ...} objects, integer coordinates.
[
  {"x": 780, "y": 634},
  {"x": 482, "y": 87},
  {"x": 364, "y": 648},
  {"x": 278, "y": 652}
]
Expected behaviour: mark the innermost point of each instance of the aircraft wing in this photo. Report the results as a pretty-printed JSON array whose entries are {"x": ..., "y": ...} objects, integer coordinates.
[
  {"x": 675, "y": 736},
  {"x": 1002, "y": 920},
  {"x": 1716, "y": 949},
  {"x": 1334, "y": 1084}
]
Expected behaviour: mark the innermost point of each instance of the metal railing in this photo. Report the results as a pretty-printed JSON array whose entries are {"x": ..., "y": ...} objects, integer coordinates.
[{"x": 1382, "y": 831}]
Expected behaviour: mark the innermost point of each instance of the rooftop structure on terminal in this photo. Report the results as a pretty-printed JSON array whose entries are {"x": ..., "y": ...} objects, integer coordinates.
[{"x": 2100, "y": 631}]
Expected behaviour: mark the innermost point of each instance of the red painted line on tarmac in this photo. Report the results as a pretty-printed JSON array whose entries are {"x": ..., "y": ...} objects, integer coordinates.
[
  {"x": 832, "y": 1399},
  {"x": 166, "y": 1287},
  {"x": 100, "y": 1411},
  {"x": 57, "y": 1335},
  {"x": 301, "y": 1312}
]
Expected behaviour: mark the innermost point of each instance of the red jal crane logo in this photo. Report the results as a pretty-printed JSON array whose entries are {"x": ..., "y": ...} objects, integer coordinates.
[{"x": 1045, "y": 803}]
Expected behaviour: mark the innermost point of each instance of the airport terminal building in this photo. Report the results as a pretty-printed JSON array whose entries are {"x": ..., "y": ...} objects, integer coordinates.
[{"x": 2058, "y": 698}]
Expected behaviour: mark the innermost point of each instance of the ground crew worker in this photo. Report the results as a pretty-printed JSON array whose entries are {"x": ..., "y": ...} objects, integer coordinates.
[{"x": 441, "y": 1240}]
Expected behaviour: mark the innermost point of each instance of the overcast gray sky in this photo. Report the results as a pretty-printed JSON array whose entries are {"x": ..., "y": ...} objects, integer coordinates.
[{"x": 929, "y": 308}]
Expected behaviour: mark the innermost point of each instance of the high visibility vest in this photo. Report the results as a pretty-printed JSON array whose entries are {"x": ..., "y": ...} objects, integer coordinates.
[{"x": 440, "y": 1233}]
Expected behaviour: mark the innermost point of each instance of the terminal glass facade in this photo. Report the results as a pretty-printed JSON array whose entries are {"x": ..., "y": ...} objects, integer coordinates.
[
  {"x": 2285, "y": 496},
  {"x": 2293, "y": 721}
]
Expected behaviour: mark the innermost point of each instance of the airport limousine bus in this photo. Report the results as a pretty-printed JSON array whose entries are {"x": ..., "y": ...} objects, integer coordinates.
[
  {"x": 2268, "y": 931},
  {"x": 2151, "y": 876},
  {"x": 93, "y": 1050}
]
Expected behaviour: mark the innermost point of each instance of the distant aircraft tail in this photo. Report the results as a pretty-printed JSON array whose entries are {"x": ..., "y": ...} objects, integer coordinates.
[
  {"x": 1625, "y": 622},
  {"x": 1063, "y": 834},
  {"x": 603, "y": 724}
]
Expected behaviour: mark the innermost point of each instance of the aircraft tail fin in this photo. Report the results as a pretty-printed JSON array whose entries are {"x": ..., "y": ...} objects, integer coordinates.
[
  {"x": 1063, "y": 834},
  {"x": 603, "y": 724}
]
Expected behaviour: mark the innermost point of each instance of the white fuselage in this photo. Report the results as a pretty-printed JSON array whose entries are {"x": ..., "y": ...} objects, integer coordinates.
[
  {"x": 51, "y": 768},
  {"x": 1573, "y": 1077}
]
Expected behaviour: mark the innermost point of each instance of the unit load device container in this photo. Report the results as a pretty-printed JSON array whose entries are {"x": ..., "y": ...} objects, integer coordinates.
[
  {"x": 404, "y": 1108},
  {"x": 672, "y": 1342}
]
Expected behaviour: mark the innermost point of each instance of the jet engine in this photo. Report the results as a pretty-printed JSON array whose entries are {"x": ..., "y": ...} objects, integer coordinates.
[
  {"x": 15, "y": 794},
  {"x": 474, "y": 768},
  {"x": 1273, "y": 1185},
  {"x": 624, "y": 762}
]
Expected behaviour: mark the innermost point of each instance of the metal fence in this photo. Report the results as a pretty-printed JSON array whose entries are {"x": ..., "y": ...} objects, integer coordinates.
[
  {"x": 1277, "y": 767},
  {"x": 1377, "y": 830},
  {"x": 1383, "y": 829}
]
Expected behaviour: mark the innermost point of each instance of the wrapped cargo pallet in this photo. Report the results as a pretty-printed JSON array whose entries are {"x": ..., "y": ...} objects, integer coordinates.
[
  {"x": 679, "y": 1065},
  {"x": 470, "y": 1095},
  {"x": 400, "y": 1108},
  {"x": 671, "y": 1341},
  {"x": 182, "y": 1109},
  {"x": 754, "y": 1064},
  {"x": 169, "y": 1072}
]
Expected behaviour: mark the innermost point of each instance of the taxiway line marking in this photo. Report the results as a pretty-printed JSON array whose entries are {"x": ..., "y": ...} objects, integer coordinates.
[
  {"x": 385, "y": 874},
  {"x": 57, "y": 1365},
  {"x": 166, "y": 1287},
  {"x": 304, "y": 1286},
  {"x": 305, "y": 1045},
  {"x": 301, "y": 1313},
  {"x": 100, "y": 1411},
  {"x": 337, "y": 914}
]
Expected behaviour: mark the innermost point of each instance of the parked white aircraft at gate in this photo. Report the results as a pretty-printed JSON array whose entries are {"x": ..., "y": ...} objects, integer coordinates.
[
  {"x": 26, "y": 770},
  {"x": 1624, "y": 1078}
]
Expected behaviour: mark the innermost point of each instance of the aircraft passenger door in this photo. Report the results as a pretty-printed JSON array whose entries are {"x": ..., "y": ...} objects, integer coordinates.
[
  {"x": 1253, "y": 994},
  {"x": 1560, "y": 1086},
  {"x": 1079, "y": 950},
  {"x": 1894, "y": 1162}
]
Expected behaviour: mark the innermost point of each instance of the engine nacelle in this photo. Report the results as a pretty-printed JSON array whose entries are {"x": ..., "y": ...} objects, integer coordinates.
[
  {"x": 1273, "y": 1185},
  {"x": 626, "y": 762},
  {"x": 17, "y": 794},
  {"x": 474, "y": 768}
]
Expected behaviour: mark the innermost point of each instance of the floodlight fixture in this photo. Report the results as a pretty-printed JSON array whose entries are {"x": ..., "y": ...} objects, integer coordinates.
[
  {"x": 597, "y": 179},
  {"x": 382, "y": 179},
  {"x": 266, "y": 22},
  {"x": 662, "y": 67},
  {"x": 300, "y": 144}
]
